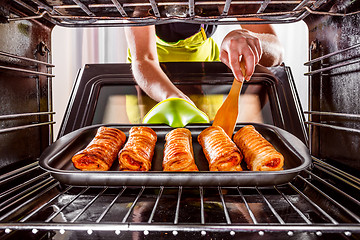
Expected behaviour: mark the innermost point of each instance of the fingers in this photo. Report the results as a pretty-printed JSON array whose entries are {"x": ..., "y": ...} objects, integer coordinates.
[
  {"x": 233, "y": 62},
  {"x": 241, "y": 46},
  {"x": 250, "y": 62},
  {"x": 250, "y": 55}
]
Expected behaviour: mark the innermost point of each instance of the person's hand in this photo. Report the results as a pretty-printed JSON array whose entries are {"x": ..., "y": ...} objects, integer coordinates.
[{"x": 241, "y": 45}]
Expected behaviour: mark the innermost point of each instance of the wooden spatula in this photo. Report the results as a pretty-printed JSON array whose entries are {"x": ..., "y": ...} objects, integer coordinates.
[{"x": 227, "y": 114}]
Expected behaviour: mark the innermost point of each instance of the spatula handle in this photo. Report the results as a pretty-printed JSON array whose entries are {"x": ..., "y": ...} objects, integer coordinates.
[
  {"x": 235, "y": 89},
  {"x": 227, "y": 114}
]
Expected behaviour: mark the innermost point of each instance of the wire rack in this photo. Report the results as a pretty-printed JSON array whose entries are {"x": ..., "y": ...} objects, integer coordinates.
[
  {"x": 30, "y": 68},
  {"x": 319, "y": 201},
  {"x": 80, "y": 13}
]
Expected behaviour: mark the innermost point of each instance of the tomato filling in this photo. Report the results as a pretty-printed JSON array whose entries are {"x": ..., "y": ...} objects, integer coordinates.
[
  {"x": 273, "y": 163},
  {"x": 133, "y": 162}
]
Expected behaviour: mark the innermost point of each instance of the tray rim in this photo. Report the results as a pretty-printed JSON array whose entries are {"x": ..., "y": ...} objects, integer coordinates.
[{"x": 282, "y": 134}]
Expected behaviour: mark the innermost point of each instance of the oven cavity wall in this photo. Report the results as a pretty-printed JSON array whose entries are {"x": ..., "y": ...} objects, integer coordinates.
[
  {"x": 334, "y": 86},
  {"x": 25, "y": 88}
]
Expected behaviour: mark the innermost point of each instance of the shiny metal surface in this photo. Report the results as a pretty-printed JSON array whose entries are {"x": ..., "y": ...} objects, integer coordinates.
[
  {"x": 27, "y": 71},
  {"x": 26, "y": 59},
  {"x": 57, "y": 160},
  {"x": 349, "y": 115},
  {"x": 305, "y": 206},
  {"x": 334, "y": 87},
  {"x": 25, "y": 75},
  {"x": 25, "y": 115},
  {"x": 321, "y": 203},
  {"x": 10, "y": 129},
  {"x": 66, "y": 13}
]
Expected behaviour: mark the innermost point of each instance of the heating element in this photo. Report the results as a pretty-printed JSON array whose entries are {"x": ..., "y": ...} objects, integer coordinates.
[{"x": 78, "y": 13}]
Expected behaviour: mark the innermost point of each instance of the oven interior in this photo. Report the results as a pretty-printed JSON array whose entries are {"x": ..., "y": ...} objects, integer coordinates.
[{"x": 321, "y": 201}]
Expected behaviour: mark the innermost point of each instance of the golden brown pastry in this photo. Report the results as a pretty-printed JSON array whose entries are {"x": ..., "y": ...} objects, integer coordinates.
[
  {"x": 259, "y": 154},
  {"x": 101, "y": 152},
  {"x": 178, "y": 151},
  {"x": 138, "y": 151},
  {"x": 220, "y": 151}
]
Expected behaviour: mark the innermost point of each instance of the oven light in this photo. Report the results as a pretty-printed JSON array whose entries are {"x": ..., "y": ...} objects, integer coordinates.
[{"x": 175, "y": 232}]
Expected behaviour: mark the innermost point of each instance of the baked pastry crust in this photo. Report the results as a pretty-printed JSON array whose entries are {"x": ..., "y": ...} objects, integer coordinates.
[
  {"x": 259, "y": 154},
  {"x": 178, "y": 151},
  {"x": 101, "y": 152},
  {"x": 220, "y": 151},
  {"x": 138, "y": 151}
]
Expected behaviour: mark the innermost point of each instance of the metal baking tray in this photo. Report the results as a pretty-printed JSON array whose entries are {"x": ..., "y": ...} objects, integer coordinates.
[{"x": 56, "y": 159}]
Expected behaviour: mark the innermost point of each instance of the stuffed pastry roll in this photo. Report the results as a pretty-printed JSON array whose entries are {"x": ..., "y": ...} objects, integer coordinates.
[
  {"x": 138, "y": 151},
  {"x": 178, "y": 151},
  {"x": 258, "y": 153},
  {"x": 220, "y": 151},
  {"x": 101, "y": 152}
]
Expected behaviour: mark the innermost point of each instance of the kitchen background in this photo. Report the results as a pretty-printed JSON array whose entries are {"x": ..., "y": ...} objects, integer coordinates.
[{"x": 74, "y": 47}]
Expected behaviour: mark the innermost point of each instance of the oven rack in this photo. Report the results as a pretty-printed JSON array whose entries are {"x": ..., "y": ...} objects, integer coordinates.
[
  {"x": 78, "y": 13},
  {"x": 313, "y": 203},
  {"x": 33, "y": 69},
  {"x": 323, "y": 67}
]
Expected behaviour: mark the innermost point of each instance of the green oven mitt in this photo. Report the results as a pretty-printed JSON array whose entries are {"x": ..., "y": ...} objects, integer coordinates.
[{"x": 175, "y": 112}]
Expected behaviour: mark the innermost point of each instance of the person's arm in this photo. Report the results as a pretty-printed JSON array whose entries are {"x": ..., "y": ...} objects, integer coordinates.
[
  {"x": 253, "y": 44},
  {"x": 145, "y": 65},
  {"x": 272, "y": 49}
]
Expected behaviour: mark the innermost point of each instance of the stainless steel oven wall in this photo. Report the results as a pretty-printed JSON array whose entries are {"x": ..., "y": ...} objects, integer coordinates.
[
  {"x": 25, "y": 90},
  {"x": 334, "y": 73},
  {"x": 319, "y": 203}
]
